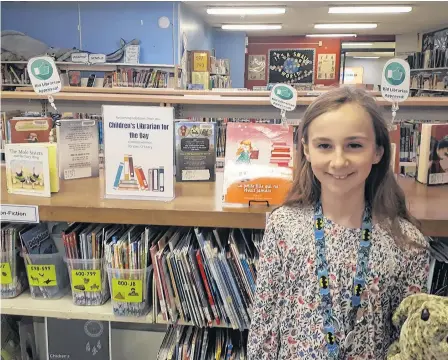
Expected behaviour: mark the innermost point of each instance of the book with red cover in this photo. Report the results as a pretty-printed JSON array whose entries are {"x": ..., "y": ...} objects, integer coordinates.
[
  {"x": 153, "y": 252},
  {"x": 29, "y": 130}
]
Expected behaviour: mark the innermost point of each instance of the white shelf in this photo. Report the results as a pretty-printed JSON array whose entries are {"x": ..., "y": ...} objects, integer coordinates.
[
  {"x": 68, "y": 63},
  {"x": 8, "y": 84},
  {"x": 65, "y": 309},
  {"x": 408, "y": 163},
  {"x": 431, "y": 69},
  {"x": 434, "y": 90}
]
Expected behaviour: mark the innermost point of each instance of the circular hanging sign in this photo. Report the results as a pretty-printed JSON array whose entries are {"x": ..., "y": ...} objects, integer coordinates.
[{"x": 395, "y": 81}]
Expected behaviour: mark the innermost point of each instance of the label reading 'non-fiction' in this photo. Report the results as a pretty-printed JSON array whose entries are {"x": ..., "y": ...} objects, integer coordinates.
[
  {"x": 6, "y": 278},
  {"x": 42, "y": 275},
  {"x": 86, "y": 280},
  {"x": 20, "y": 213},
  {"x": 127, "y": 290}
]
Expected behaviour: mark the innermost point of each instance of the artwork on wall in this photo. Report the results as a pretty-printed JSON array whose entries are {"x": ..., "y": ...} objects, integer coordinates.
[
  {"x": 326, "y": 66},
  {"x": 257, "y": 67},
  {"x": 435, "y": 40},
  {"x": 291, "y": 66}
]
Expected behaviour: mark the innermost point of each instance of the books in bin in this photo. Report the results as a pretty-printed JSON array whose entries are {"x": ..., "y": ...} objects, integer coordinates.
[
  {"x": 139, "y": 152},
  {"x": 31, "y": 169},
  {"x": 195, "y": 151},
  {"x": 187, "y": 342},
  {"x": 258, "y": 163},
  {"x": 432, "y": 159},
  {"x": 206, "y": 277}
]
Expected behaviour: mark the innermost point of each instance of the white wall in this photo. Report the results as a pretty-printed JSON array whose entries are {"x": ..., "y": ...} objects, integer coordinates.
[{"x": 372, "y": 69}]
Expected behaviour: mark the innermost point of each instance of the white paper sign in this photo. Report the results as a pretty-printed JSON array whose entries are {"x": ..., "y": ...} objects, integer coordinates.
[
  {"x": 97, "y": 58},
  {"x": 20, "y": 213},
  {"x": 82, "y": 58},
  {"x": 44, "y": 75},
  {"x": 284, "y": 97},
  {"x": 395, "y": 80},
  {"x": 132, "y": 54},
  {"x": 139, "y": 152}
]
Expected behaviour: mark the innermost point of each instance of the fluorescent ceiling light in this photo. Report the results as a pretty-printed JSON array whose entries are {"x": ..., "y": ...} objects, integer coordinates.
[
  {"x": 246, "y": 11},
  {"x": 366, "y": 57},
  {"x": 357, "y": 44},
  {"x": 346, "y": 26},
  {"x": 330, "y": 35},
  {"x": 369, "y": 9},
  {"x": 251, "y": 27}
]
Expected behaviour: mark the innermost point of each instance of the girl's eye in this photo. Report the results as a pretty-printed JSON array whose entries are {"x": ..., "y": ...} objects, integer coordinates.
[
  {"x": 324, "y": 146},
  {"x": 354, "y": 145}
]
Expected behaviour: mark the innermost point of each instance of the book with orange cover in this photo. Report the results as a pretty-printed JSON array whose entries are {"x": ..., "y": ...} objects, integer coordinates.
[{"x": 258, "y": 163}]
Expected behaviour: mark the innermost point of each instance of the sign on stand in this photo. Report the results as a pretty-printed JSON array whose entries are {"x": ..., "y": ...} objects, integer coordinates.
[
  {"x": 395, "y": 80},
  {"x": 284, "y": 97},
  {"x": 44, "y": 75}
]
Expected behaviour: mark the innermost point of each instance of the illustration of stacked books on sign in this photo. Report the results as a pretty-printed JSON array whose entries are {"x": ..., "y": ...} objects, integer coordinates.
[
  {"x": 131, "y": 176},
  {"x": 258, "y": 163}
]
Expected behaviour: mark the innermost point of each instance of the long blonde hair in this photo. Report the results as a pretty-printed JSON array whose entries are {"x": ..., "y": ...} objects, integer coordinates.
[{"x": 382, "y": 191}]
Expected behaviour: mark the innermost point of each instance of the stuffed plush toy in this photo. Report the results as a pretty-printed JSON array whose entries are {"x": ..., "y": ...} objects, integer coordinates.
[{"x": 424, "y": 329}]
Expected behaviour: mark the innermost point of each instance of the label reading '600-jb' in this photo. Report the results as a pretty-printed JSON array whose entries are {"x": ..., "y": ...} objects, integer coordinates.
[{"x": 127, "y": 290}]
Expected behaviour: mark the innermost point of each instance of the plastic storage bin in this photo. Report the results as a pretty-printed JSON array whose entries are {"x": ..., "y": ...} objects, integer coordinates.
[
  {"x": 13, "y": 274},
  {"x": 130, "y": 291},
  {"x": 47, "y": 275},
  {"x": 88, "y": 279}
]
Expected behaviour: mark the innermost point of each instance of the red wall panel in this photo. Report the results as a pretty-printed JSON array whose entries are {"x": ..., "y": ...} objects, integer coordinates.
[{"x": 262, "y": 45}]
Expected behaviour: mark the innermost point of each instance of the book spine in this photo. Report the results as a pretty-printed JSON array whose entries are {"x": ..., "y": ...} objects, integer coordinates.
[
  {"x": 173, "y": 283},
  {"x": 153, "y": 252},
  {"x": 169, "y": 301},
  {"x": 131, "y": 167},
  {"x": 207, "y": 287}
]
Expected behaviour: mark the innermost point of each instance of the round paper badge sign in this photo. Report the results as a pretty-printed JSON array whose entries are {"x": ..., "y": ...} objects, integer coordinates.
[
  {"x": 44, "y": 75},
  {"x": 395, "y": 80},
  {"x": 284, "y": 97}
]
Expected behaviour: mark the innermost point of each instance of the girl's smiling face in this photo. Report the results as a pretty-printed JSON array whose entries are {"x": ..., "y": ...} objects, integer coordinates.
[{"x": 342, "y": 149}]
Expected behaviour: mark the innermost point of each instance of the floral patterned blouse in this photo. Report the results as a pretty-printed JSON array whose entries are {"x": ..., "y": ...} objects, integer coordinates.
[{"x": 286, "y": 321}]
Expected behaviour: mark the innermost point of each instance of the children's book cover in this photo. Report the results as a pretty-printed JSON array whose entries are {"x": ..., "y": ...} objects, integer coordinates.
[
  {"x": 139, "y": 152},
  {"x": 258, "y": 163},
  {"x": 78, "y": 143},
  {"x": 29, "y": 130},
  {"x": 195, "y": 151},
  {"x": 27, "y": 169}
]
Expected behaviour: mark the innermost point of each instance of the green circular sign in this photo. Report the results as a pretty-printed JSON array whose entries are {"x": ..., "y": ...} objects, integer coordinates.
[
  {"x": 395, "y": 73},
  {"x": 42, "y": 69}
]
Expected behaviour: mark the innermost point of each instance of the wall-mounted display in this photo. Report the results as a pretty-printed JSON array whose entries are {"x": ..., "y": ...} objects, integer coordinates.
[
  {"x": 291, "y": 66},
  {"x": 257, "y": 67},
  {"x": 326, "y": 66}
]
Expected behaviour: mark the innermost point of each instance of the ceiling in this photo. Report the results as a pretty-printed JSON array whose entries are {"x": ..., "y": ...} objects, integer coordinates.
[{"x": 301, "y": 16}]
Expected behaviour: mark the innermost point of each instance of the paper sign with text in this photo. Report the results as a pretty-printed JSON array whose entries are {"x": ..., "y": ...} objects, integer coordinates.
[
  {"x": 44, "y": 75},
  {"x": 395, "y": 80},
  {"x": 97, "y": 58},
  {"x": 284, "y": 97},
  {"x": 20, "y": 213},
  {"x": 82, "y": 58}
]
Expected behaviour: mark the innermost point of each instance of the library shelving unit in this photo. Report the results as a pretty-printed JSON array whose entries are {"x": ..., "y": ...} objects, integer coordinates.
[{"x": 195, "y": 204}]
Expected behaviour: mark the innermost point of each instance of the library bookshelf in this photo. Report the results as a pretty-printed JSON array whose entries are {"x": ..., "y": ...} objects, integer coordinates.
[{"x": 195, "y": 204}]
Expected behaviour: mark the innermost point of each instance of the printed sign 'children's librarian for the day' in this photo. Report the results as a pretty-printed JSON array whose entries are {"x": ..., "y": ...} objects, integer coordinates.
[{"x": 139, "y": 152}]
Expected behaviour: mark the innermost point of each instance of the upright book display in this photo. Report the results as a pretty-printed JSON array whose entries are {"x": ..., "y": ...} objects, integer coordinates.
[
  {"x": 258, "y": 163},
  {"x": 139, "y": 152}
]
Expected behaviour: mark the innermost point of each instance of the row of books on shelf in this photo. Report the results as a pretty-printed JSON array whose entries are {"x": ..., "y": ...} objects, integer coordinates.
[
  {"x": 428, "y": 59},
  {"x": 199, "y": 276},
  {"x": 220, "y": 81},
  {"x": 14, "y": 75},
  {"x": 426, "y": 144},
  {"x": 430, "y": 80},
  {"x": 186, "y": 342}
]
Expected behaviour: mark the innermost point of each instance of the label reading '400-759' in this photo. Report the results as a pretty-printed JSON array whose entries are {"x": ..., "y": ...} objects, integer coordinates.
[{"x": 86, "y": 280}]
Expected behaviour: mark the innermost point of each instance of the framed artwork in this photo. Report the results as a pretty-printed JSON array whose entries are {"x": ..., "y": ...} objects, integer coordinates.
[
  {"x": 257, "y": 67},
  {"x": 326, "y": 66},
  {"x": 291, "y": 66}
]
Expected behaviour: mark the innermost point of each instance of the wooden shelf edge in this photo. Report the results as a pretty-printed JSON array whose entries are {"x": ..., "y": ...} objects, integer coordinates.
[
  {"x": 197, "y": 99},
  {"x": 64, "y": 308}
]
